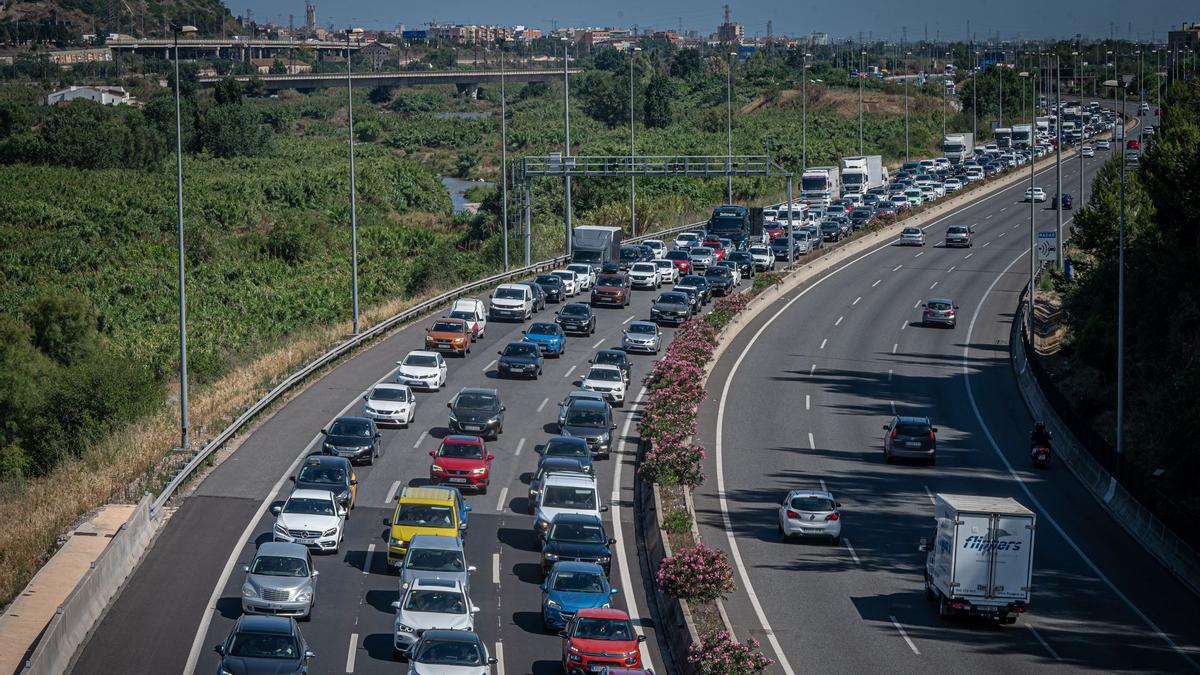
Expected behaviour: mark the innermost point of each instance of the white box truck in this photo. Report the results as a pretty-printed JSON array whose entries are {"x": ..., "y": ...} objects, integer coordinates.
[
  {"x": 958, "y": 147},
  {"x": 860, "y": 174},
  {"x": 980, "y": 561},
  {"x": 820, "y": 185},
  {"x": 1022, "y": 135}
]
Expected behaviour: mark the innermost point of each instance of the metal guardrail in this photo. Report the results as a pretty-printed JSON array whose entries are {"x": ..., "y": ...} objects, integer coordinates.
[
  {"x": 350, "y": 344},
  {"x": 558, "y": 165}
]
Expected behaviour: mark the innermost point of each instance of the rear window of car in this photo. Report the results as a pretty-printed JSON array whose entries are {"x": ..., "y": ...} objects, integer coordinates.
[
  {"x": 811, "y": 503},
  {"x": 610, "y": 280},
  {"x": 911, "y": 430}
]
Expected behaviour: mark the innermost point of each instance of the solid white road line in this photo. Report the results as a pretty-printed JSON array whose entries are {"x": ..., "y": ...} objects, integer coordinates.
[
  {"x": 876, "y": 283},
  {"x": 503, "y": 498},
  {"x": 614, "y": 509},
  {"x": 520, "y": 444},
  {"x": 856, "y": 300},
  {"x": 930, "y": 495},
  {"x": 812, "y": 444},
  {"x": 392, "y": 492},
  {"x": 989, "y": 217},
  {"x": 823, "y": 343},
  {"x": 369, "y": 559},
  {"x": 851, "y": 550},
  {"x": 631, "y": 318},
  {"x": 1045, "y": 644},
  {"x": 1037, "y": 504},
  {"x": 904, "y": 635},
  {"x": 499, "y": 658},
  {"x": 839, "y": 321},
  {"x": 598, "y": 343},
  {"x": 495, "y": 568},
  {"x": 569, "y": 371},
  {"x": 807, "y": 402},
  {"x": 1003, "y": 208},
  {"x": 543, "y": 404},
  {"x": 351, "y": 652},
  {"x": 421, "y": 439},
  {"x": 489, "y": 366}
]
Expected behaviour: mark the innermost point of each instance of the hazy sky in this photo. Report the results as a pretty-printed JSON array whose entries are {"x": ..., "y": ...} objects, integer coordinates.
[{"x": 880, "y": 18}]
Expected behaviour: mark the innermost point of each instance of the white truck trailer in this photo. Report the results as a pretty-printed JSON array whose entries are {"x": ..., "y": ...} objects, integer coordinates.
[
  {"x": 958, "y": 147},
  {"x": 862, "y": 173},
  {"x": 820, "y": 185},
  {"x": 980, "y": 561}
]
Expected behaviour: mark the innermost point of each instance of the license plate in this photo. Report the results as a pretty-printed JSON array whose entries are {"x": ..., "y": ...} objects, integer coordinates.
[
  {"x": 306, "y": 542},
  {"x": 458, "y": 480},
  {"x": 472, "y": 427},
  {"x": 274, "y": 605}
]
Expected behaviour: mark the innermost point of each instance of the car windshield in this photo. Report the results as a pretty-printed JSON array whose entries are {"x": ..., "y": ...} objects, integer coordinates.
[
  {"x": 325, "y": 475},
  {"x": 759, "y": 250},
  {"x": 449, "y": 327},
  {"x": 435, "y": 560},
  {"x": 440, "y": 602},
  {"x": 449, "y": 653},
  {"x": 610, "y": 358},
  {"x": 585, "y": 418},
  {"x": 279, "y": 566},
  {"x": 811, "y": 503},
  {"x": 643, "y": 329},
  {"x": 521, "y": 350},
  {"x": 590, "y": 628},
  {"x": 308, "y": 507},
  {"x": 389, "y": 394},
  {"x": 420, "y": 361},
  {"x": 645, "y": 267},
  {"x": 576, "y": 310},
  {"x": 510, "y": 293},
  {"x": 425, "y": 515},
  {"x": 568, "y": 497},
  {"x": 663, "y": 264},
  {"x": 473, "y": 401},
  {"x": 350, "y": 428},
  {"x": 456, "y": 450},
  {"x": 677, "y": 255},
  {"x": 694, "y": 280},
  {"x": 912, "y": 230},
  {"x": 610, "y": 280},
  {"x": 957, "y": 229},
  {"x": 577, "y": 533},
  {"x": 718, "y": 271},
  {"x": 545, "y": 329},
  {"x": 672, "y": 299},
  {"x": 579, "y": 582},
  {"x": 563, "y": 448},
  {"x": 779, "y": 241},
  {"x": 263, "y": 646},
  {"x": 564, "y": 274},
  {"x": 548, "y": 279},
  {"x": 605, "y": 374},
  {"x": 702, "y": 251},
  {"x": 630, "y": 254}
]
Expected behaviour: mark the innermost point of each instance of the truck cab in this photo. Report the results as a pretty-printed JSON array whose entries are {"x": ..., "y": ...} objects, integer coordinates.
[{"x": 730, "y": 222}]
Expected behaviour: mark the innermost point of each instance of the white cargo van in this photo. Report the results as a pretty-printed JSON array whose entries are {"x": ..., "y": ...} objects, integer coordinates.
[
  {"x": 511, "y": 301},
  {"x": 472, "y": 311}
]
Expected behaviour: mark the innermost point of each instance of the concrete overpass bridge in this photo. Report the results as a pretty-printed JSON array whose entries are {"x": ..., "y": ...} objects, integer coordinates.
[
  {"x": 239, "y": 50},
  {"x": 467, "y": 81}
]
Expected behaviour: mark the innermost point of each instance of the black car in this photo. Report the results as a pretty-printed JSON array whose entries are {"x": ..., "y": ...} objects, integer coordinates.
[
  {"x": 720, "y": 279},
  {"x": 861, "y": 216},
  {"x": 613, "y": 357},
  {"x": 549, "y": 465},
  {"x": 478, "y": 412},
  {"x": 671, "y": 307},
  {"x": 458, "y": 649},
  {"x": 647, "y": 253},
  {"x": 576, "y": 317},
  {"x": 520, "y": 358},
  {"x": 610, "y": 268},
  {"x": 552, "y": 287},
  {"x": 744, "y": 262},
  {"x": 779, "y": 246},
  {"x": 885, "y": 208},
  {"x": 695, "y": 300},
  {"x": 264, "y": 644},
  {"x": 577, "y": 537},
  {"x": 1067, "y": 201},
  {"x": 592, "y": 421},
  {"x": 700, "y": 283},
  {"x": 630, "y": 255},
  {"x": 567, "y": 447},
  {"x": 323, "y": 472},
  {"x": 831, "y": 230},
  {"x": 355, "y": 438},
  {"x": 539, "y": 295}
]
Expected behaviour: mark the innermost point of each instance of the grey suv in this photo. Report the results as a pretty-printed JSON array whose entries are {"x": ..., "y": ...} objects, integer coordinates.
[
  {"x": 591, "y": 421},
  {"x": 477, "y": 411},
  {"x": 280, "y": 581}
]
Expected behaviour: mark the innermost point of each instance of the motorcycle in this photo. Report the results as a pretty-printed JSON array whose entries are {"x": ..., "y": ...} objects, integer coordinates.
[{"x": 1040, "y": 456}]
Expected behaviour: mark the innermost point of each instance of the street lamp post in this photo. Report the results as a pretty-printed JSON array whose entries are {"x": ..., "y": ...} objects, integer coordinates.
[
  {"x": 183, "y": 381},
  {"x": 909, "y": 54},
  {"x": 1000, "y": 73},
  {"x": 862, "y": 64},
  {"x": 503, "y": 155},
  {"x": 974, "y": 102},
  {"x": 1058, "y": 242},
  {"x": 944, "y": 97},
  {"x": 632, "y": 151},
  {"x": 1121, "y": 311},
  {"x": 729, "y": 127},
  {"x": 1079, "y": 91},
  {"x": 352, "y": 33},
  {"x": 804, "y": 114},
  {"x": 567, "y": 143},
  {"x": 1113, "y": 62}
]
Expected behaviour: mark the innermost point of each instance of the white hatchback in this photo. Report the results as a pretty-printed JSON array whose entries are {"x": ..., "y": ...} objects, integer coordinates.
[
  {"x": 810, "y": 513},
  {"x": 666, "y": 270},
  {"x": 390, "y": 404}
]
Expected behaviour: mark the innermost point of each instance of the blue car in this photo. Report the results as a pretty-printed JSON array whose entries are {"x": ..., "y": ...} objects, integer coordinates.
[
  {"x": 548, "y": 336},
  {"x": 570, "y": 587}
]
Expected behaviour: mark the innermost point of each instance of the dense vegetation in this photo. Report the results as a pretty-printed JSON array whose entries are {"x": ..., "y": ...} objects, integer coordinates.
[{"x": 1162, "y": 332}]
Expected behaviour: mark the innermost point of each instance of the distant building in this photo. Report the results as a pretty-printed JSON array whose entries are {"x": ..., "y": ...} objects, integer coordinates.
[
  {"x": 101, "y": 95},
  {"x": 289, "y": 66},
  {"x": 819, "y": 40},
  {"x": 730, "y": 31},
  {"x": 377, "y": 53}
]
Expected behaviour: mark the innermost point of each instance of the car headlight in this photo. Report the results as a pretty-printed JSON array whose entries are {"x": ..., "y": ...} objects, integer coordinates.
[
  {"x": 344, "y": 497},
  {"x": 404, "y": 628},
  {"x": 226, "y": 671},
  {"x": 494, "y": 420},
  {"x": 542, "y": 525},
  {"x": 603, "y": 559},
  {"x": 551, "y": 556},
  {"x": 480, "y": 470},
  {"x": 304, "y": 596},
  {"x": 248, "y": 591},
  {"x": 330, "y": 532},
  {"x": 459, "y": 341},
  {"x": 435, "y": 467},
  {"x": 393, "y": 541},
  {"x": 553, "y": 605},
  {"x": 327, "y": 445}
]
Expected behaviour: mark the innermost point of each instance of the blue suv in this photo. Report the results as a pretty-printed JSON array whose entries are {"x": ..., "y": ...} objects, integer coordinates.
[
  {"x": 549, "y": 337},
  {"x": 570, "y": 587}
]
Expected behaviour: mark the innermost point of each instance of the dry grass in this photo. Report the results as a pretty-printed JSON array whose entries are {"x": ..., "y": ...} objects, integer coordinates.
[
  {"x": 843, "y": 101},
  {"x": 140, "y": 457}
]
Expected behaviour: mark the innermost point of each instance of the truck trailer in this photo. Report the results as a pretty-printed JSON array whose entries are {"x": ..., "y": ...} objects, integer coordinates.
[
  {"x": 862, "y": 173},
  {"x": 980, "y": 561},
  {"x": 819, "y": 185},
  {"x": 596, "y": 245}
]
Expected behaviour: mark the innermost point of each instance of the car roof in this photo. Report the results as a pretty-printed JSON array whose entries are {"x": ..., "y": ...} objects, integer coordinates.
[
  {"x": 585, "y": 395},
  {"x": 352, "y": 418},
  {"x": 559, "y": 464},
  {"x": 576, "y": 566},
  {"x": 611, "y": 351},
  {"x": 326, "y": 460},
  {"x": 439, "y": 583},
  {"x": 577, "y": 480},
  {"x": 425, "y": 494},
  {"x": 650, "y": 324},
  {"x": 463, "y": 438},
  {"x": 945, "y": 300},
  {"x": 601, "y": 613},
  {"x": 566, "y": 439},
  {"x": 912, "y": 420},
  {"x": 390, "y": 385},
  {"x": 308, "y": 493},
  {"x": 478, "y": 390},
  {"x": 435, "y": 541},
  {"x": 264, "y": 623},
  {"x": 577, "y": 518},
  {"x": 804, "y": 492},
  {"x": 421, "y": 352},
  {"x": 282, "y": 550}
]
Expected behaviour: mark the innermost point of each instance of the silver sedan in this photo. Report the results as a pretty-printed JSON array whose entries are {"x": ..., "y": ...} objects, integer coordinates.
[
  {"x": 912, "y": 236},
  {"x": 810, "y": 513}
]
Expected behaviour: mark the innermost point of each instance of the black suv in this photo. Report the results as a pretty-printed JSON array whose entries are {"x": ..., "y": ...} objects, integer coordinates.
[
  {"x": 355, "y": 438},
  {"x": 576, "y": 317},
  {"x": 590, "y": 420},
  {"x": 539, "y": 294},
  {"x": 322, "y": 472},
  {"x": 720, "y": 279},
  {"x": 700, "y": 284},
  {"x": 567, "y": 447},
  {"x": 477, "y": 411},
  {"x": 744, "y": 261},
  {"x": 577, "y": 537}
]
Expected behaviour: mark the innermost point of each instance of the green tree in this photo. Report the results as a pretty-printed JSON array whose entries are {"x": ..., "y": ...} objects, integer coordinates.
[
  {"x": 65, "y": 326},
  {"x": 24, "y": 372},
  {"x": 686, "y": 63},
  {"x": 604, "y": 98},
  {"x": 232, "y": 130},
  {"x": 658, "y": 102},
  {"x": 227, "y": 90},
  {"x": 381, "y": 94},
  {"x": 608, "y": 58},
  {"x": 255, "y": 87},
  {"x": 277, "y": 68}
]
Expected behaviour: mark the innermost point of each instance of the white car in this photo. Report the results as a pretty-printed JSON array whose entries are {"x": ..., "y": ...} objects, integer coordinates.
[
  {"x": 451, "y": 652},
  {"x": 430, "y": 604},
  {"x": 473, "y": 312},
  {"x": 764, "y": 259},
  {"x": 422, "y": 370},
  {"x": 667, "y": 270},
  {"x": 912, "y": 236},
  {"x": 655, "y": 245},
  {"x": 952, "y": 185},
  {"x": 567, "y": 492},
  {"x": 687, "y": 240},
  {"x": 571, "y": 286},
  {"x": 645, "y": 275},
  {"x": 607, "y": 380},
  {"x": 311, "y": 518},
  {"x": 585, "y": 274},
  {"x": 1035, "y": 194},
  {"x": 1103, "y": 144},
  {"x": 390, "y": 404},
  {"x": 1087, "y": 151},
  {"x": 810, "y": 513}
]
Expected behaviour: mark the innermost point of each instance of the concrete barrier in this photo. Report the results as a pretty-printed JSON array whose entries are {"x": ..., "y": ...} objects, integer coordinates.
[
  {"x": 1181, "y": 559},
  {"x": 672, "y": 615}
]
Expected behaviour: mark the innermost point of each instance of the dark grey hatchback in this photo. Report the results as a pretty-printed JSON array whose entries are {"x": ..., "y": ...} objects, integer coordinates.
[
  {"x": 355, "y": 438},
  {"x": 264, "y": 645},
  {"x": 910, "y": 438}
]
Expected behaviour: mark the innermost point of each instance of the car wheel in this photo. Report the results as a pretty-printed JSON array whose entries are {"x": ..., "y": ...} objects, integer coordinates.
[
  {"x": 887, "y": 458},
  {"x": 837, "y": 541}
]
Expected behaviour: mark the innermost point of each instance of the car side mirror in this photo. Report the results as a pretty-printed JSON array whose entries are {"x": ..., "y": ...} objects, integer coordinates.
[
  {"x": 956, "y": 307},
  {"x": 378, "y": 434},
  {"x": 276, "y": 509},
  {"x": 315, "y": 574},
  {"x": 387, "y": 521},
  {"x": 220, "y": 649},
  {"x": 462, "y": 526},
  {"x": 933, "y": 429},
  {"x": 428, "y": 330},
  {"x": 613, "y": 425},
  {"x": 492, "y": 661},
  {"x": 885, "y": 427},
  {"x": 341, "y": 512},
  {"x": 542, "y": 587},
  {"x": 491, "y": 457},
  {"x": 604, "y": 508},
  {"x": 354, "y": 481},
  {"x": 613, "y": 591},
  {"x": 502, "y": 408},
  {"x": 501, "y": 352},
  {"x": 590, "y": 361},
  {"x": 365, "y": 397},
  {"x": 308, "y": 654},
  {"x": 611, "y": 541},
  {"x": 292, "y": 478},
  {"x": 325, "y": 432},
  {"x": 396, "y": 604},
  {"x": 474, "y": 609},
  {"x": 561, "y": 634},
  {"x": 467, "y": 508},
  {"x": 449, "y": 405},
  {"x": 433, "y": 453},
  {"x": 246, "y": 568},
  {"x": 641, "y": 638},
  {"x": 471, "y": 568}
]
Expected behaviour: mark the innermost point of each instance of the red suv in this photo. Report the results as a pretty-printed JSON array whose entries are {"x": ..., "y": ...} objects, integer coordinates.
[
  {"x": 682, "y": 261},
  {"x": 596, "y": 638},
  {"x": 461, "y": 461}
]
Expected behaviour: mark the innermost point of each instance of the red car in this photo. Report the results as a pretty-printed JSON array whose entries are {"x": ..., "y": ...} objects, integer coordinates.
[
  {"x": 719, "y": 251},
  {"x": 461, "y": 461},
  {"x": 682, "y": 262},
  {"x": 775, "y": 228},
  {"x": 596, "y": 638}
]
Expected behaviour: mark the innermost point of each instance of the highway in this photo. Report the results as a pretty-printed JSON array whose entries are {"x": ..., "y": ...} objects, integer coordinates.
[
  {"x": 837, "y": 358},
  {"x": 195, "y": 564}
]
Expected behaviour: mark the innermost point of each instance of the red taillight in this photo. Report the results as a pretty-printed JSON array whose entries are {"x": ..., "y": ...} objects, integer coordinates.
[
  {"x": 832, "y": 516},
  {"x": 893, "y": 433},
  {"x": 792, "y": 515},
  {"x": 950, "y": 312},
  {"x": 932, "y": 437}
]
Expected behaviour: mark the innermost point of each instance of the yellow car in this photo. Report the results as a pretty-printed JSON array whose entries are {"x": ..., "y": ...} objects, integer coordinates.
[{"x": 424, "y": 510}]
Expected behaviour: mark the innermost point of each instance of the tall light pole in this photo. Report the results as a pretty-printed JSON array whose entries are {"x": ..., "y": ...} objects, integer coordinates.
[
  {"x": 632, "y": 151},
  {"x": 974, "y": 102},
  {"x": 1113, "y": 62},
  {"x": 1079, "y": 90},
  {"x": 504, "y": 153},
  {"x": 1000, "y": 73},
  {"x": 908, "y": 54},
  {"x": 729, "y": 127},
  {"x": 945, "y": 94},
  {"x": 1058, "y": 247},
  {"x": 803, "y": 115},
  {"x": 1121, "y": 307},
  {"x": 567, "y": 143},
  {"x": 352, "y": 33},
  {"x": 183, "y": 380},
  {"x": 862, "y": 64},
  {"x": 1032, "y": 242}
]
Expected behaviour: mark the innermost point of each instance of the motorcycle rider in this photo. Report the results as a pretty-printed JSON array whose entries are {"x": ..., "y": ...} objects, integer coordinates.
[{"x": 1040, "y": 437}]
